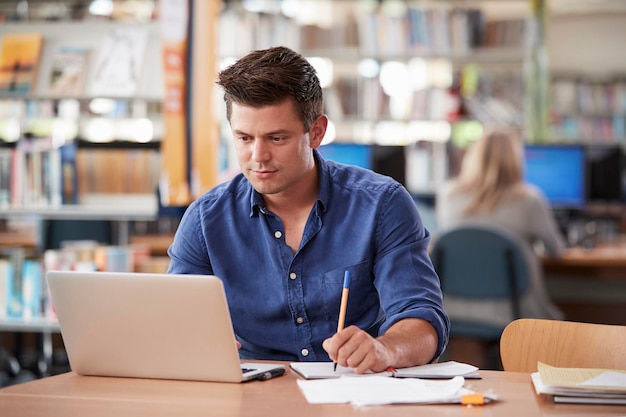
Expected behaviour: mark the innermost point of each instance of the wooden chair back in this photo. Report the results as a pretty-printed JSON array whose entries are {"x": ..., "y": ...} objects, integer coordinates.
[{"x": 566, "y": 344}]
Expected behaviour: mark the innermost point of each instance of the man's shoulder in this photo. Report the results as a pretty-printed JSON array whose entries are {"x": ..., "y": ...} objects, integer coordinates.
[{"x": 231, "y": 190}]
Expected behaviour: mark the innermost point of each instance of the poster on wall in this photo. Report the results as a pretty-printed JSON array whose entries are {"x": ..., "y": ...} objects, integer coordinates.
[
  {"x": 19, "y": 59},
  {"x": 118, "y": 67},
  {"x": 69, "y": 71}
]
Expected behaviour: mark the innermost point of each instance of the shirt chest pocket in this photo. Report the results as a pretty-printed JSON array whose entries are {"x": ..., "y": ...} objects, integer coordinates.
[{"x": 362, "y": 293}]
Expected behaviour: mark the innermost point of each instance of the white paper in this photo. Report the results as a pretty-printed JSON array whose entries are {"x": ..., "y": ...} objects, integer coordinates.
[
  {"x": 444, "y": 370},
  {"x": 540, "y": 387},
  {"x": 378, "y": 390},
  {"x": 566, "y": 396},
  {"x": 319, "y": 370},
  {"x": 607, "y": 379}
]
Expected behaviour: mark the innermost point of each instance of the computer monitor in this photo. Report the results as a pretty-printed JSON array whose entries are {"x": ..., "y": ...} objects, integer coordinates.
[
  {"x": 604, "y": 165},
  {"x": 348, "y": 153},
  {"x": 558, "y": 171},
  {"x": 384, "y": 159},
  {"x": 390, "y": 160}
]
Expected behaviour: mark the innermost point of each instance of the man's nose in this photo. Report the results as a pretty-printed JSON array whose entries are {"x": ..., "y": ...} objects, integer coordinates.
[{"x": 260, "y": 150}]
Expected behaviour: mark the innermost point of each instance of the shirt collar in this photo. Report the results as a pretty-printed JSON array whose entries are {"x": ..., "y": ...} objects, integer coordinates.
[{"x": 258, "y": 205}]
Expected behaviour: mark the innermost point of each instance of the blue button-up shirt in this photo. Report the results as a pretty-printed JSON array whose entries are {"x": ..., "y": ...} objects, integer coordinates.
[{"x": 283, "y": 305}]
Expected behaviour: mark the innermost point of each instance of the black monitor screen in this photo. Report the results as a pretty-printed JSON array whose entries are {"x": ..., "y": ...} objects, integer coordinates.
[
  {"x": 604, "y": 173},
  {"x": 348, "y": 153},
  {"x": 386, "y": 160},
  {"x": 559, "y": 171},
  {"x": 390, "y": 160}
]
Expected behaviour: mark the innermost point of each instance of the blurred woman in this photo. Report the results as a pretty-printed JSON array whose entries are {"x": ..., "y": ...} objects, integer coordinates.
[{"x": 490, "y": 190}]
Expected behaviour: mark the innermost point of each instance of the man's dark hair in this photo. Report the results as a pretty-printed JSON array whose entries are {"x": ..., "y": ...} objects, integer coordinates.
[{"x": 270, "y": 76}]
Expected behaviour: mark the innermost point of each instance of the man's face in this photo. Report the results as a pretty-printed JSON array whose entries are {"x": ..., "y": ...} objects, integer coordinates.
[{"x": 273, "y": 150}]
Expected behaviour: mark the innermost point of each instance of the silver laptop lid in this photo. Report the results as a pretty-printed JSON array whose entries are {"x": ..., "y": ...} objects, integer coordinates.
[{"x": 145, "y": 325}]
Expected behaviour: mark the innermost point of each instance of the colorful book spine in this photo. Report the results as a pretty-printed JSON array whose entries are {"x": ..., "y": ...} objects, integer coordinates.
[
  {"x": 6, "y": 156},
  {"x": 13, "y": 293},
  {"x": 69, "y": 177},
  {"x": 31, "y": 287},
  {"x": 6, "y": 282}
]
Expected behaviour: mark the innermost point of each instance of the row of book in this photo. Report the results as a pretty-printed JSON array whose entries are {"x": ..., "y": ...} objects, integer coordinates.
[
  {"x": 74, "y": 69},
  {"x": 609, "y": 129},
  {"x": 117, "y": 10},
  {"x": 75, "y": 109},
  {"x": 495, "y": 97},
  {"x": 23, "y": 291},
  {"x": 255, "y": 31},
  {"x": 345, "y": 101},
  {"x": 582, "y": 96},
  {"x": 417, "y": 30},
  {"x": 37, "y": 173},
  {"x": 438, "y": 31},
  {"x": 117, "y": 171}
]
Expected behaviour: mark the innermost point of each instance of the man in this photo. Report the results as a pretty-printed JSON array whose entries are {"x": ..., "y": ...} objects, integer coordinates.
[{"x": 283, "y": 232}]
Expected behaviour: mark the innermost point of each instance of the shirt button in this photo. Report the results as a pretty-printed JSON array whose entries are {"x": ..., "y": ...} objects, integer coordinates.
[
  {"x": 299, "y": 320},
  {"x": 305, "y": 352},
  {"x": 293, "y": 275},
  {"x": 277, "y": 234}
]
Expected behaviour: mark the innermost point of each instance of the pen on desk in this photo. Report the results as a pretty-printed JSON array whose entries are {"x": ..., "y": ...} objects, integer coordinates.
[
  {"x": 344, "y": 304},
  {"x": 271, "y": 374}
]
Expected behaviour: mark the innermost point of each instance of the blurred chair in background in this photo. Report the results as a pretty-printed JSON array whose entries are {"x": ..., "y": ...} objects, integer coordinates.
[{"x": 480, "y": 266}]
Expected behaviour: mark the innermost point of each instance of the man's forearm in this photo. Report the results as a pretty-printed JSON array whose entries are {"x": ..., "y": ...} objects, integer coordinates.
[{"x": 410, "y": 342}]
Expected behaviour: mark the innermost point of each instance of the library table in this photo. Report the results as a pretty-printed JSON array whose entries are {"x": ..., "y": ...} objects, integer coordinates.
[
  {"x": 602, "y": 256},
  {"x": 589, "y": 285},
  {"x": 69, "y": 395}
]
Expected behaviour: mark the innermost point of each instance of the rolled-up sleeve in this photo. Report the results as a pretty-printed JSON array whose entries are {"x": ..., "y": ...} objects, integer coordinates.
[{"x": 404, "y": 275}]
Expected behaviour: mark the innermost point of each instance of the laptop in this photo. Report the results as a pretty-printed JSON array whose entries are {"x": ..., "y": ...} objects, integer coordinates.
[{"x": 144, "y": 325}]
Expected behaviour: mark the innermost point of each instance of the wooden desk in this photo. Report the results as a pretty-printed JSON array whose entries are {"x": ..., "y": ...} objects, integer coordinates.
[
  {"x": 68, "y": 395},
  {"x": 605, "y": 256},
  {"x": 589, "y": 285}
]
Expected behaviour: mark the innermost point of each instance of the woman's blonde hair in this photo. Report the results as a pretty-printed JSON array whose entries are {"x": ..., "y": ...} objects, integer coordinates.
[{"x": 491, "y": 168}]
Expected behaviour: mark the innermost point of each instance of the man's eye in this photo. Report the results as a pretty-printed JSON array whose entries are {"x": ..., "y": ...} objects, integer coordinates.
[{"x": 277, "y": 139}]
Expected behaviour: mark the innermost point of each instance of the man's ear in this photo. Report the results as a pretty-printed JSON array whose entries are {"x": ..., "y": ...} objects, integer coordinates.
[{"x": 318, "y": 130}]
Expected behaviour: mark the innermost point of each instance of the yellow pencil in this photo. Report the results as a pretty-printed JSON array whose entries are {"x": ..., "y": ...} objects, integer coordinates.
[{"x": 344, "y": 305}]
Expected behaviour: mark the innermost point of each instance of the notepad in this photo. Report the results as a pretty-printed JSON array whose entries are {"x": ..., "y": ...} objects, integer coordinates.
[
  {"x": 443, "y": 370},
  {"x": 580, "y": 385}
]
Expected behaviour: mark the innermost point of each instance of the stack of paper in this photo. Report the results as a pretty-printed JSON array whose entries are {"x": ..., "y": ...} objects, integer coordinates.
[
  {"x": 324, "y": 385},
  {"x": 581, "y": 385}
]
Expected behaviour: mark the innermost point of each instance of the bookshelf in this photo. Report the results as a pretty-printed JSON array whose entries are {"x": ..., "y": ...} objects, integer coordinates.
[
  {"x": 118, "y": 167},
  {"x": 94, "y": 116},
  {"x": 91, "y": 36},
  {"x": 450, "y": 67},
  {"x": 588, "y": 107},
  {"x": 115, "y": 134},
  {"x": 588, "y": 76},
  {"x": 428, "y": 43}
]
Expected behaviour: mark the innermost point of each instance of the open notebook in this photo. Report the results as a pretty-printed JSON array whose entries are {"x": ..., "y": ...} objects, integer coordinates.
[{"x": 149, "y": 326}]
